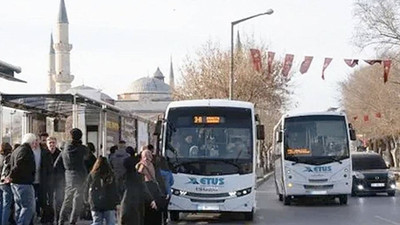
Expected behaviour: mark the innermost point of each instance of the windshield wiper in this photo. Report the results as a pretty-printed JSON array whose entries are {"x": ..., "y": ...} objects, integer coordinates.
[{"x": 337, "y": 159}]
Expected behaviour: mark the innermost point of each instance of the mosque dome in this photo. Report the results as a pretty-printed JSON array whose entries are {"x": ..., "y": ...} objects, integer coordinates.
[{"x": 149, "y": 85}]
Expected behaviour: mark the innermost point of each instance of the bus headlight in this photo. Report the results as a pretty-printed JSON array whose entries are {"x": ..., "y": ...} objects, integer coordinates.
[
  {"x": 243, "y": 192},
  {"x": 178, "y": 192}
]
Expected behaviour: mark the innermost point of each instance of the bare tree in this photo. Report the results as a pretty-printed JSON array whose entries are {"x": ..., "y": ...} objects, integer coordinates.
[
  {"x": 364, "y": 93},
  {"x": 378, "y": 23},
  {"x": 206, "y": 76}
]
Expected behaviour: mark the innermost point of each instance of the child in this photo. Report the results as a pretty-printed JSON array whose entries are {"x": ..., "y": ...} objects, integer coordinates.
[{"x": 101, "y": 192}]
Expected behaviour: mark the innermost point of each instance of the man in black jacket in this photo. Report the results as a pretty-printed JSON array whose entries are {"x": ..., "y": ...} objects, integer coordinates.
[
  {"x": 21, "y": 177},
  {"x": 75, "y": 175},
  {"x": 41, "y": 183},
  {"x": 56, "y": 196}
]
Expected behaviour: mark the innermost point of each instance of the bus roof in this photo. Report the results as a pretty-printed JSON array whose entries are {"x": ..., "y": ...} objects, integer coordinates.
[
  {"x": 315, "y": 114},
  {"x": 210, "y": 102}
]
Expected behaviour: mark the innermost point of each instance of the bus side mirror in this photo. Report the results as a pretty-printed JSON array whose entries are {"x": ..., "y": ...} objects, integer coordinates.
[
  {"x": 352, "y": 135},
  {"x": 279, "y": 139},
  {"x": 260, "y": 132},
  {"x": 157, "y": 130}
]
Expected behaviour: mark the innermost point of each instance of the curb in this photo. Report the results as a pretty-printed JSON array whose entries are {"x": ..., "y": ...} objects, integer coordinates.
[{"x": 264, "y": 178}]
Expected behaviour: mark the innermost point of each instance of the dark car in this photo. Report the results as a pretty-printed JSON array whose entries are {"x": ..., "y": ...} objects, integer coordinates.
[{"x": 371, "y": 175}]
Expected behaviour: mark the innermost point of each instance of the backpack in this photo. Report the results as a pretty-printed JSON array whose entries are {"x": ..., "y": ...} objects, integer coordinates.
[{"x": 97, "y": 193}]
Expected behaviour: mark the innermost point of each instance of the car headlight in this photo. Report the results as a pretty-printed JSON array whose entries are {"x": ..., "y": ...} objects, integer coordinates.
[{"x": 359, "y": 175}]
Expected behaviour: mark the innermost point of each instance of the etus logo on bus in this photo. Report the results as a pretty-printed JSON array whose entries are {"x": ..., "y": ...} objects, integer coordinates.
[
  {"x": 206, "y": 181},
  {"x": 317, "y": 169}
]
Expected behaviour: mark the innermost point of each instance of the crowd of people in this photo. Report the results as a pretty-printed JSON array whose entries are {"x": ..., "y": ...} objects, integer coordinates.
[{"x": 41, "y": 183}]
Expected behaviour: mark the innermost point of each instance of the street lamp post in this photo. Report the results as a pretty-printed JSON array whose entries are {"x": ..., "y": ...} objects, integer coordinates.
[{"x": 268, "y": 12}]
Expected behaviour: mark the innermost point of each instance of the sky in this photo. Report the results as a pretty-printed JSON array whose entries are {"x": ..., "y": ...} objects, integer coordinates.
[{"x": 117, "y": 42}]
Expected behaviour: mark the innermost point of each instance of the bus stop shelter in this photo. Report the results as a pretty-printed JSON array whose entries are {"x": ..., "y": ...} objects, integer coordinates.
[{"x": 66, "y": 111}]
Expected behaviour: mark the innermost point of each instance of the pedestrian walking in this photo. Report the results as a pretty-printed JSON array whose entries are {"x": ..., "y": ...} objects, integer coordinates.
[
  {"x": 6, "y": 196},
  {"x": 168, "y": 181},
  {"x": 75, "y": 175},
  {"x": 41, "y": 183},
  {"x": 135, "y": 194},
  {"x": 21, "y": 177},
  {"x": 56, "y": 195},
  {"x": 102, "y": 193},
  {"x": 117, "y": 163},
  {"x": 152, "y": 211}
]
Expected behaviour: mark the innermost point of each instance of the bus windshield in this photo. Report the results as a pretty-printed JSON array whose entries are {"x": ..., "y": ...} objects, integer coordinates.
[
  {"x": 209, "y": 141},
  {"x": 316, "y": 139}
]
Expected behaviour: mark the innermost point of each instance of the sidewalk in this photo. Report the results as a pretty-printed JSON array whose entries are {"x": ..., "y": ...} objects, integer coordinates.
[{"x": 261, "y": 180}]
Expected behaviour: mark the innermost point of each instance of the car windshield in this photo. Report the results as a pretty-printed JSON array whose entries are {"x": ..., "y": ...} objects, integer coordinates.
[{"x": 368, "y": 162}]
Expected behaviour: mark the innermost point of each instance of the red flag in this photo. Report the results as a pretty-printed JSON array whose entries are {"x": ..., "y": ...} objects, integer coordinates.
[
  {"x": 366, "y": 118},
  {"x": 386, "y": 68},
  {"x": 351, "y": 62},
  {"x": 327, "y": 61},
  {"x": 355, "y": 117},
  {"x": 256, "y": 56},
  {"x": 287, "y": 65},
  {"x": 305, "y": 64},
  {"x": 271, "y": 56},
  {"x": 373, "y": 61},
  {"x": 378, "y": 115}
]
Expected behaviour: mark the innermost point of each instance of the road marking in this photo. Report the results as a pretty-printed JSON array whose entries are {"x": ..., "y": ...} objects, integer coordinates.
[{"x": 387, "y": 221}]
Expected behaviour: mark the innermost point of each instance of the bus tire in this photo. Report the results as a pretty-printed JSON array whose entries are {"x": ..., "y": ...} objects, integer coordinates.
[
  {"x": 174, "y": 215},
  {"x": 280, "y": 197},
  {"x": 249, "y": 216},
  {"x": 343, "y": 200},
  {"x": 286, "y": 200}
]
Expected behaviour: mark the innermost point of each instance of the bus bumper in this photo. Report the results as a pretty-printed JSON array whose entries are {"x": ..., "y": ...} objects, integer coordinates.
[{"x": 232, "y": 204}]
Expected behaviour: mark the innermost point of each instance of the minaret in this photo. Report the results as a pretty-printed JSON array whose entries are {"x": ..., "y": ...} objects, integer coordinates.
[
  {"x": 51, "y": 88},
  {"x": 62, "y": 77},
  {"x": 238, "y": 43},
  {"x": 171, "y": 76}
]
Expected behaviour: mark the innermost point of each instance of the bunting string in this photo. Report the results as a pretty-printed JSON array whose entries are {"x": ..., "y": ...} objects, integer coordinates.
[{"x": 306, "y": 63}]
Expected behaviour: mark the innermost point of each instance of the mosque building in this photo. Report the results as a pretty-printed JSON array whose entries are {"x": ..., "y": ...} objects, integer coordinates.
[{"x": 147, "y": 97}]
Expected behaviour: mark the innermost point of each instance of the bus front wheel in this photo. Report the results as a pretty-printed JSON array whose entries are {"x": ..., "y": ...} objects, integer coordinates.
[
  {"x": 174, "y": 215},
  {"x": 286, "y": 200},
  {"x": 248, "y": 216},
  {"x": 343, "y": 199}
]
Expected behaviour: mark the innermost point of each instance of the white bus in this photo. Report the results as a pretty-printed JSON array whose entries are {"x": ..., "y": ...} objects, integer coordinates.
[
  {"x": 312, "y": 156},
  {"x": 210, "y": 147}
]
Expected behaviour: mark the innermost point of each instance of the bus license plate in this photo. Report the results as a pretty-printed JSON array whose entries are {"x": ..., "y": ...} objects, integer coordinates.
[
  {"x": 318, "y": 192},
  {"x": 377, "y": 185},
  {"x": 208, "y": 207}
]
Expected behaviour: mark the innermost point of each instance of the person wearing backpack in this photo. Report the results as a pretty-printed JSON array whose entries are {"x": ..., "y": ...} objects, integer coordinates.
[{"x": 101, "y": 192}]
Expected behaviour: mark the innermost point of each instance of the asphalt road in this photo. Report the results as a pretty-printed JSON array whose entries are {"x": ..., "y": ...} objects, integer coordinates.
[{"x": 371, "y": 210}]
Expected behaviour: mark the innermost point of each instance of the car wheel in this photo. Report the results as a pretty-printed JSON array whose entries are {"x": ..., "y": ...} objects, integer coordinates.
[{"x": 391, "y": 193}]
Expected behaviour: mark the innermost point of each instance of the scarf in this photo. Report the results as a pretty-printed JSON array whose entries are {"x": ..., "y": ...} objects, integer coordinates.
[{"x": 145, "y": 166}]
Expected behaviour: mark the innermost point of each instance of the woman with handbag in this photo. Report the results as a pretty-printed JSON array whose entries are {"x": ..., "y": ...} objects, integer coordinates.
[
  {"x": 153, "y": 209},
  {"x": 102, "y": 193}
]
